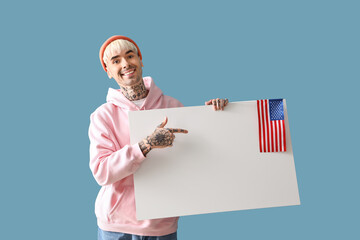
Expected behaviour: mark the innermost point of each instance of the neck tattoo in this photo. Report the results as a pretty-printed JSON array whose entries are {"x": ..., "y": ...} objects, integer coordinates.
[{"x": 135, "y": 92}]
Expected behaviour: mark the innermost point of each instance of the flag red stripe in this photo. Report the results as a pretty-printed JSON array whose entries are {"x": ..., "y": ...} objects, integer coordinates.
[
  {"x": 258, "y": 108},
  {"x": 283, "y": 123},
  {"x": 280, "y": 140},
  {"x": 276, "y": 136},
  {"x": 263, "y": 124},
  {"x": 272, "y": 136},
  {"x": 267, "y": 125}
]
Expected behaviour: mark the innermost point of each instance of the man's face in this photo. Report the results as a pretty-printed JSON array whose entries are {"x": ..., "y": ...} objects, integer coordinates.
[{"x": 125, "y": 67}]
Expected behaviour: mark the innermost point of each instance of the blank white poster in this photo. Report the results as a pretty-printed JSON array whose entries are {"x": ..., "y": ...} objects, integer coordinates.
[{"x": 216, "y": 167}]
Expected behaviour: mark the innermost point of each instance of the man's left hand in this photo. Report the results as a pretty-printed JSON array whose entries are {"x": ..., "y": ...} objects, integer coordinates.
[{"x": 218, "y": 103}]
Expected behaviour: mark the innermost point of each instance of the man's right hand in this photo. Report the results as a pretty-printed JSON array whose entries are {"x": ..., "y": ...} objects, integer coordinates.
[{"x": 160, "y": 138}]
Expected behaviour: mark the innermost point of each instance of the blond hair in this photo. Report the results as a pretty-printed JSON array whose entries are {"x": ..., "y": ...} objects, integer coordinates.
[{"x": 116, "y": 47}]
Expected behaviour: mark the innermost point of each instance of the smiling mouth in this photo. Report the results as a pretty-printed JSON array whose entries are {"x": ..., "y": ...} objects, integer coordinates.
[{"x": 128, "y": 73}]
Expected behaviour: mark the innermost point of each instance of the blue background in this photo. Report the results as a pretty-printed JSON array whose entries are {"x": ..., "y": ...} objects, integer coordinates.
[{"x": 51, "y": 80}]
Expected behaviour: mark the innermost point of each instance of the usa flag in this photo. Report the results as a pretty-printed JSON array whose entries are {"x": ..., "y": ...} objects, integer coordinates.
[{"x": 271, "y": 125}]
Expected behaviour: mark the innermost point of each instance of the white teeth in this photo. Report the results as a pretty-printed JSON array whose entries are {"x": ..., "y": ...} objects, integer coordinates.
[{"x": 125, "y": 74}]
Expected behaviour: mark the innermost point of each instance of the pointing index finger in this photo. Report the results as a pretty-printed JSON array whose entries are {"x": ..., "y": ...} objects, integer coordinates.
[{"x": 177, "y": 130}]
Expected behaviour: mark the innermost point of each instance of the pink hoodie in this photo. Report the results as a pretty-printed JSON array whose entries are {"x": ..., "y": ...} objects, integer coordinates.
[{"x": 113, "y": 161}]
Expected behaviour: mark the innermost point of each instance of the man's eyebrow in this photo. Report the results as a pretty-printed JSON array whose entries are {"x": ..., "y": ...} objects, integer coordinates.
[
  {"x": 119, "y": 55},
  {"x": 114, "y": 57}
]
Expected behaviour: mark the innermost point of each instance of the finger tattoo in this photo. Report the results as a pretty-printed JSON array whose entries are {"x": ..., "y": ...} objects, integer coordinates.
[
  {"x": 222, "y": 103},
  {"x": 176, "y": 130}
]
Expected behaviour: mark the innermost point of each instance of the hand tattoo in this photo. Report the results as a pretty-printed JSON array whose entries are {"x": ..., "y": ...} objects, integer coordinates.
[{"x": 160, "y": 138}]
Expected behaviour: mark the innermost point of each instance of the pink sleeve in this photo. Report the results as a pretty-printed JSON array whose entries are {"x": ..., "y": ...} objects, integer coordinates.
[{"x": 107, "y": 164}]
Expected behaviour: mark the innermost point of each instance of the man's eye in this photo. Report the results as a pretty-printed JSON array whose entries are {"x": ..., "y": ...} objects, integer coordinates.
[
  {"x": 130, "y": 56},
  {"x": 115, "y": 61}
]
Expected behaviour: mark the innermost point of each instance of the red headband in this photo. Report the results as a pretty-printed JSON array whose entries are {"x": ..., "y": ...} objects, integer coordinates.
[{"x": 111, "y": 39}]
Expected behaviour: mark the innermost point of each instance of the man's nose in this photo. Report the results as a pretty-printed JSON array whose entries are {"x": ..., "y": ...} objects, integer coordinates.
[{"x": 124, "y": 63}]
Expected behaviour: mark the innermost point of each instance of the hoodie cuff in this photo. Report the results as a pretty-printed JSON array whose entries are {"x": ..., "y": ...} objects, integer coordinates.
[{"x": 139, "y": 156}]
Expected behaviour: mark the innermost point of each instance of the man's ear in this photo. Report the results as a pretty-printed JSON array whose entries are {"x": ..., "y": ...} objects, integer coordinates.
[
  {"x": 108, "y": 73},
  {"x": 142, "y": 63}
]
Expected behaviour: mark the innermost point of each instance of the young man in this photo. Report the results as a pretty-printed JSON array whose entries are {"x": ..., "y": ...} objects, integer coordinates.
[{"x": 112, "y": 159}]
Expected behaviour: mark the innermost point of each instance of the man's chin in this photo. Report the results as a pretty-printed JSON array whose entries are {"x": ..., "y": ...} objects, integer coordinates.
[{"x": 130, "y": 83}]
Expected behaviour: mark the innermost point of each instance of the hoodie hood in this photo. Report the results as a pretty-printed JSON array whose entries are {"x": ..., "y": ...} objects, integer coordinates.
[{"x": 155, "y": 94}]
